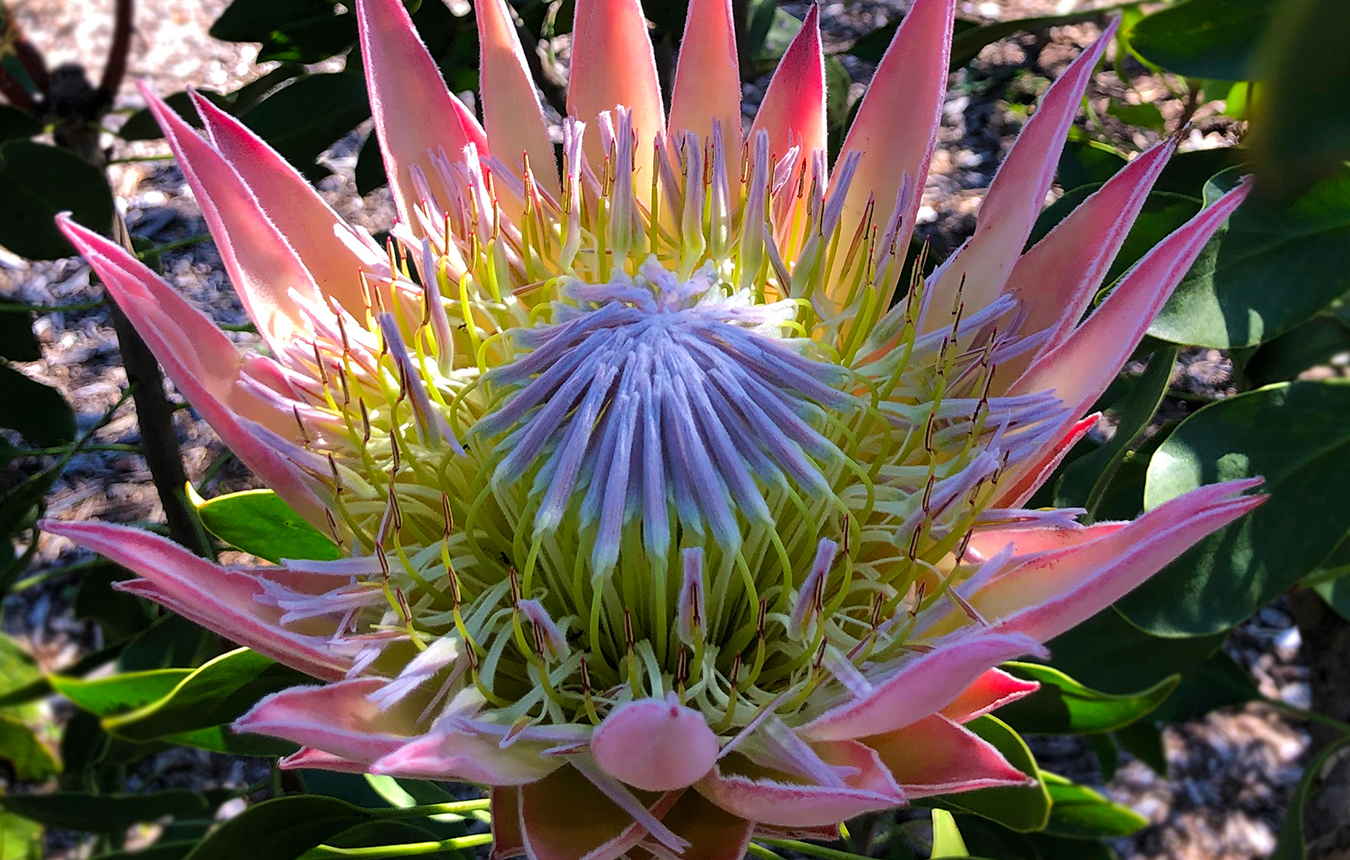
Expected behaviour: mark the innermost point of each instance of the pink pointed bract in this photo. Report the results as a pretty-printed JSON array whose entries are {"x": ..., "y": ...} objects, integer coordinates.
[{"x": 661, "y": 501}]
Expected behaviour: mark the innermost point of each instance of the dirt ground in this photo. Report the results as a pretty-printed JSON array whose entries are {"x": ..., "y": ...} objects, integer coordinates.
[{"x": 1230, "y": 774}]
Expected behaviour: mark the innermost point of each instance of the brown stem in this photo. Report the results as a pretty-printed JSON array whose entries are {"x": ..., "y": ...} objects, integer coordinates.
[
  {"x": 159, "y": 441},
  {"x": 116, "y": 68}
]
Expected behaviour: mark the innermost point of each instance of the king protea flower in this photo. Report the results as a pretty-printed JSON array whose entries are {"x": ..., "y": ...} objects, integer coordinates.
[{"x": 667, "y": 512}]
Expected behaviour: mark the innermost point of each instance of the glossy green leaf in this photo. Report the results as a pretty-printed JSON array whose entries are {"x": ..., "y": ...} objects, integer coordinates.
[
  {"x": 310, "y": 114},
  {"x": 1079, "y": 812},
  {"x": 17, "y": 339},
  {"x": 256, "y": 20},
  {"x": 259, "y": 522},
  {"x": 1315, "y": 342},
  {"x": 1296, "y": 436},
  {"x": 38, "y": 181},
  {"x": 310, "y": 41},
  {"x": 175, "y": 850},
  {"x": 1297, "y": 137},
  {"x": 30, "y": 760},
  {"x": 1144, "y": 741},
  {"x": 1019, "y": 808},
  {"x": 142, "y": 124},
  {"x": 1086, "y": 162},
  {"x": 1331, "y": 579},
  {"x": 1270, "y": 269},
  {"x": 370, "y": 173},
  {"x": 1064, "y": 706},
  {"x": 1108, "y": 653},
  {"x": 104, "y": 813},
  {"x": 118, "y": 694},
  {"x": 947, "y": 841},
  {"x": 17, "y": 669},
  {"x": 1292, "y": 844},
  {"x": 1146, "y": 115},
  {"x": 283, "y": 828},
  {"x": 20, "y": 839},
  {"x": 17, "y": 123},
  {"x": 38, "y": 412},
  {"x": 217, "y": 693},
  {"x": 223, "y": 739},
  {"x": 1205, "y": 38},
  {"x": 1219, "y": 683}
]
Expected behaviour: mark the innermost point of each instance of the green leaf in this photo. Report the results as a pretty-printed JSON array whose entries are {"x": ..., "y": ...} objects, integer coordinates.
[
  {"x": 1292, "y": 845},
  {"x": 1315, "y": 342},
  {"x": 104, "y": 813},
  {"x": 947, "y": 840},
  {"x": 1108, "y": 653},
  {"x": 1205, "y": 38},
  {"x": 38, "y": 181},
  {"x": 38, "y": 412},
  {"x": 1081, "y": 813},
  {"x": 1331, "y": 579},
  {"x": 17, "y": 340},
  {"x": 25, "y": 753},
  {"x": 217, "y": 693},
  {"x": 1144, "y": 741},
  {"x": 223, "y": 739},
  {"x": 17, "y": 123},
  {"x": 1087, "y": 480},
  {"x": 1269, "y": 270},
  {"x": 1296, "y": 139},
  {"x": 20, "y": 839},
  {"x": 310, "y": 41},
  {"x": 256, "y": 20},
  {"x": 119, "y": 693},
  {"x": 1064, "y": 706},
  {"x": 142, "y": 124},
  {"x": 280, "y": 829},
  {"x": 1145, "y": 115},
  {"x": 260, "y": 523},
  {"x": 1020, "y": 808},
  {"x": 176, "y": 850},
  {"x": 1296, "y": 436},
  {"x": 17, "y": 669},
  {"x": 1219, "y": 683},
  {"x": 310, "y": 114},
  {"x": 1086, "y": 162}
]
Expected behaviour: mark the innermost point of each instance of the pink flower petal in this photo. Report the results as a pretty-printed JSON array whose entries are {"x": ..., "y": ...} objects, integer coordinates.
[
  {"x": 564, "y": 816},
  {"x": 455, "y": 753},
  {"x": 612, "y": 66},
  {"x": 993, "y": 689},
  {"x": 897, "y": 122},
  {"x": 1057, "y": 279},
  {"x": 302, "y": 217},
  {"x": 1017, "y": 194},
  {"x": 511, "y": 111},
  {"x": 415, "y": 115},
  {"x": 1021, "y": 481},
  {"x": 712, "y": 832},
  {"x": 338, "y": 719},
  {"x": 217, "y": 598},
  {"x": 769, "y": 797},
  {"x": 201, "y": 361},
  {"x": 936, "y": 756},
  {"x": 1025, "y": 542},
  {"x": 507, "y": 840},
  {"x": 312, "y": 759},
  {"x": 922, "y": 686},
  {"x": 1053, "y": 591},
  {"x": 793, "y": 110},
  {"x": 708, "y": 79},
  {"x": 655, "y": 745},
  {"x": 1080, "y": 368},
  {"x": 262, "y": 265}
]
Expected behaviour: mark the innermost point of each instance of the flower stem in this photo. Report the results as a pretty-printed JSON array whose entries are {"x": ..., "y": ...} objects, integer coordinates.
[
  {"x": 410, "y": 849},
  {"x": 457, "y": 807}
]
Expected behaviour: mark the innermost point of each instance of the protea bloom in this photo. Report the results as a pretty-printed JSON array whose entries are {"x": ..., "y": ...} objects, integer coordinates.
[{"x": 668, "y": 513}]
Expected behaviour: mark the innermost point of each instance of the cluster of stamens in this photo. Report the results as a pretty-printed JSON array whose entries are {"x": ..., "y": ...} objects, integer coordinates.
[{"x": 598, "y": 448}]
